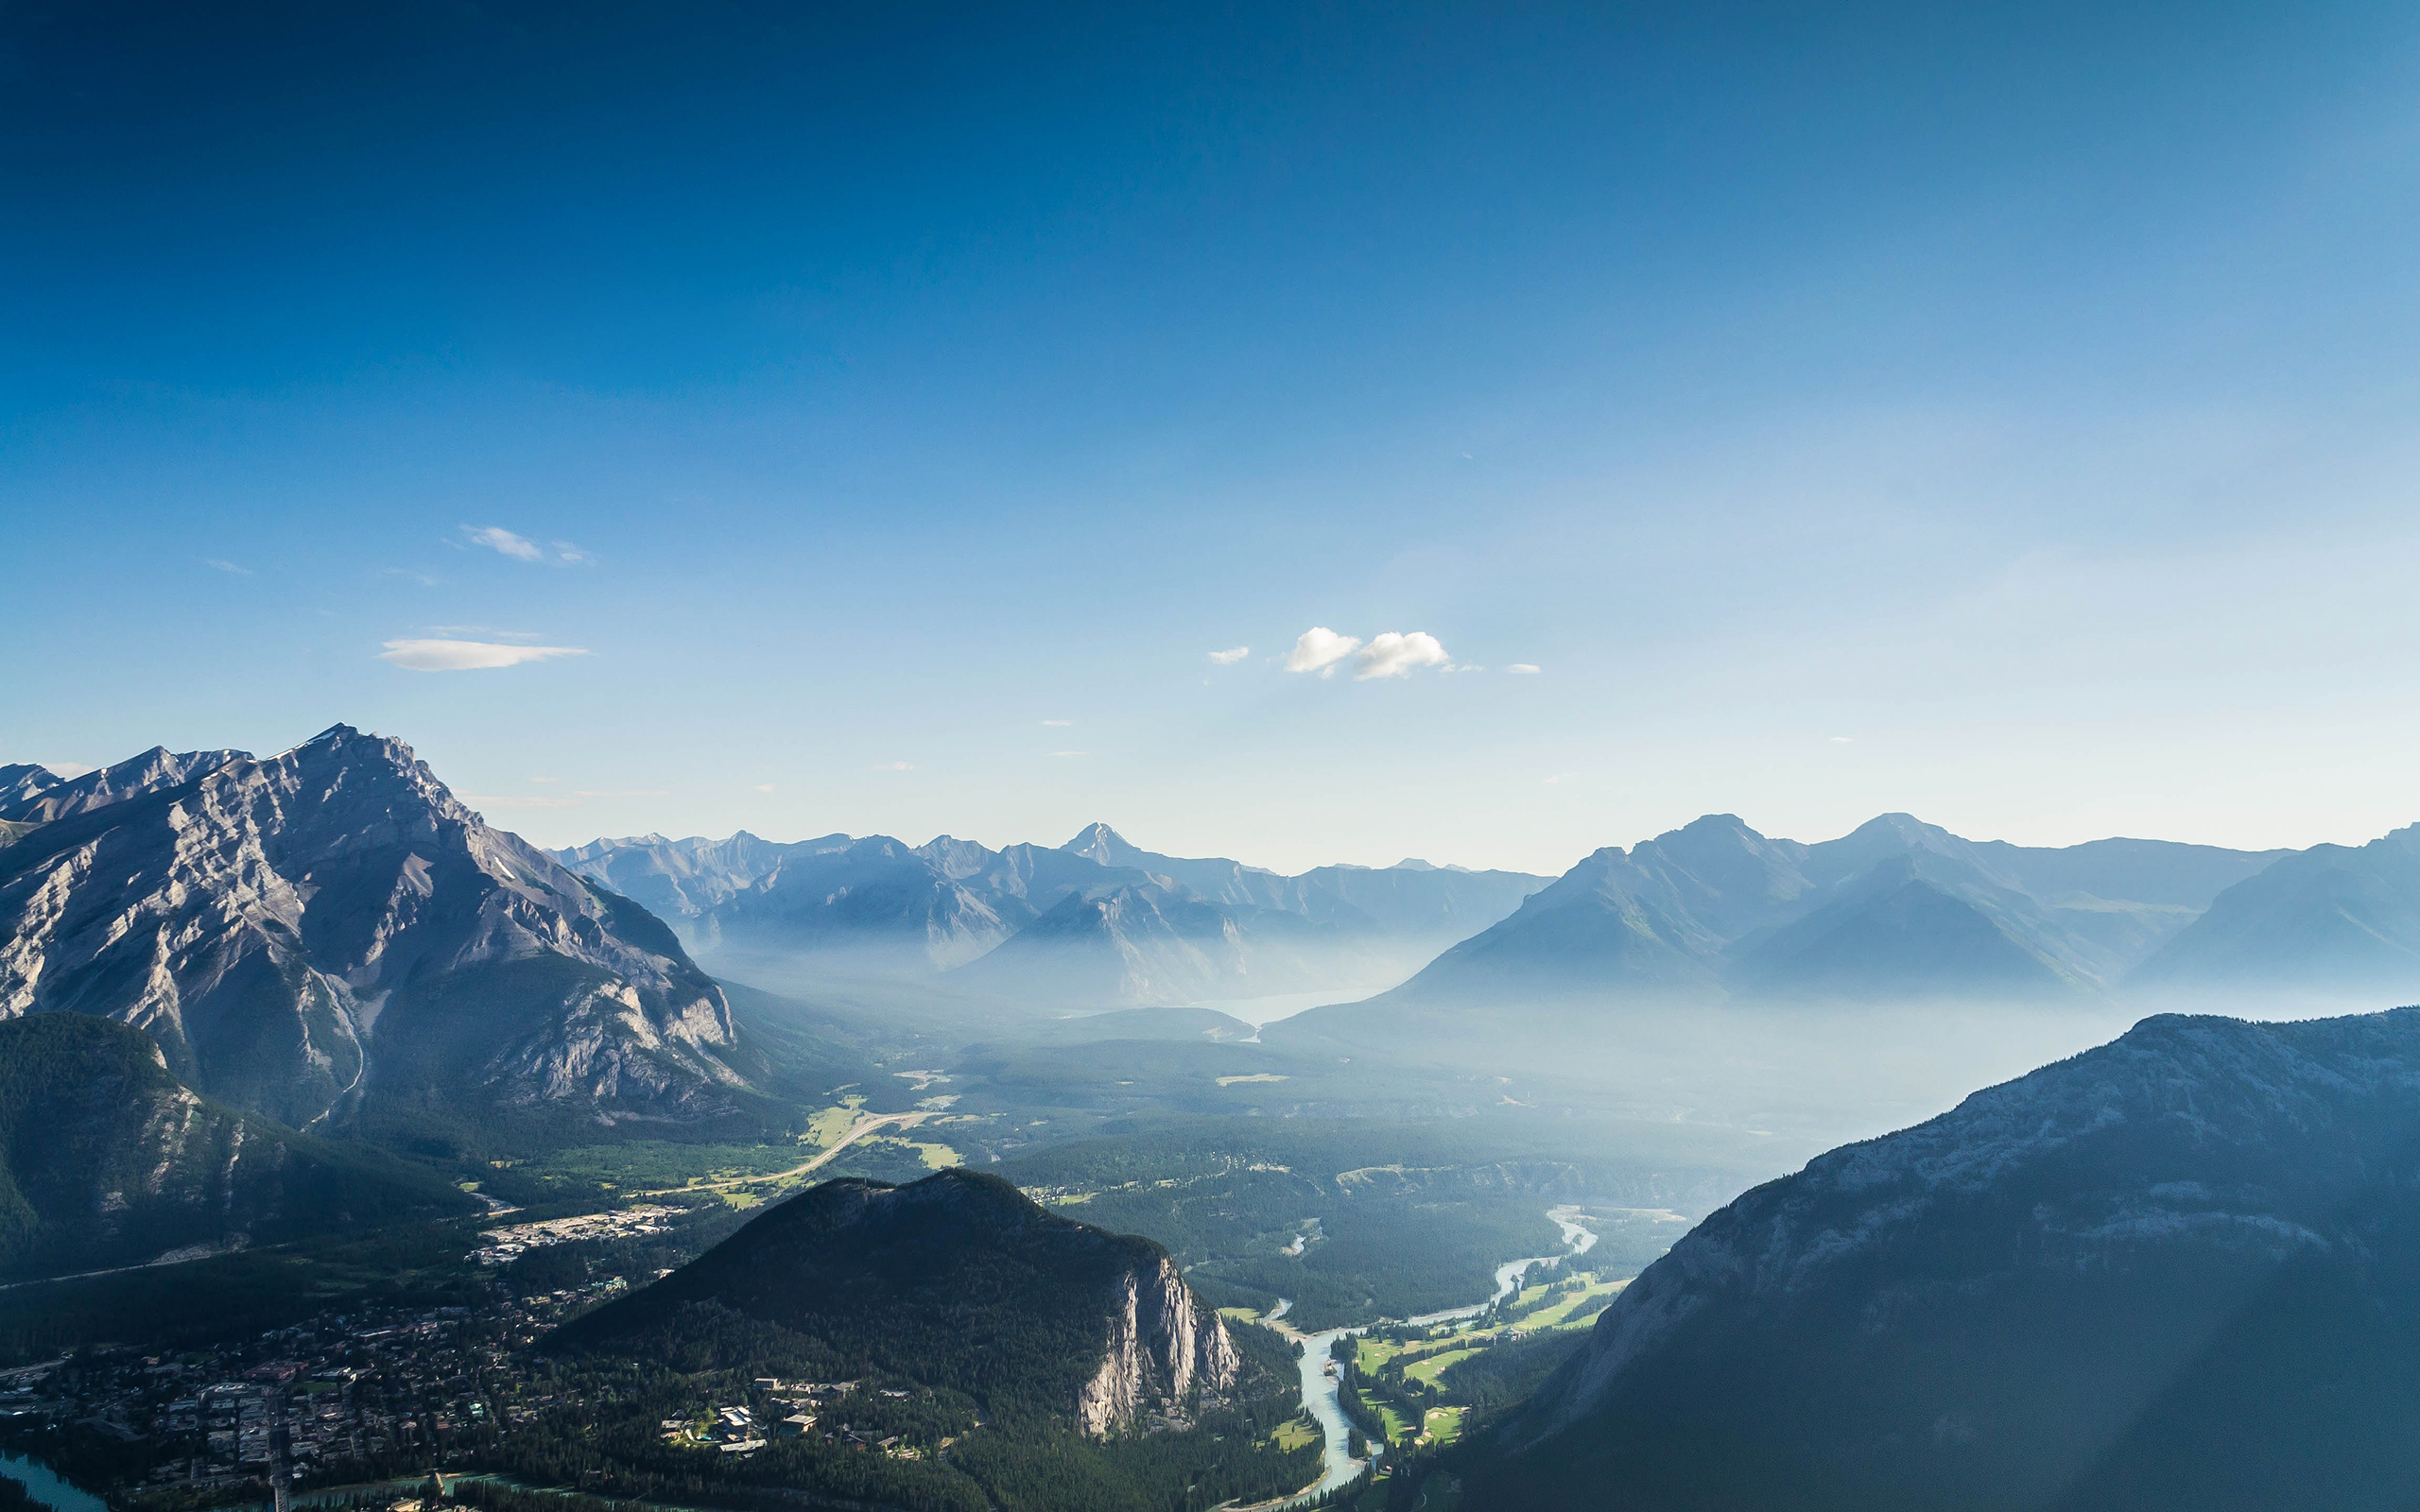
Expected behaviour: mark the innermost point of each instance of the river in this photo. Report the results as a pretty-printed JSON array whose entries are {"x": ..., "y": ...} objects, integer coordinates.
[
  {"x": 1319, "y": 1388},
  {"x": 44, "y": 1486}
]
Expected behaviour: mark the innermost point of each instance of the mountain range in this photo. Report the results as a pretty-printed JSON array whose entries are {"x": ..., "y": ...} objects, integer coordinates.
[
  {"x": 107, "y": 1160},
  {"x": 329, "y": 930},
  {"x": 1900, "y": 910},
  {"x": 2179, "y": 1271},
  {"x": 1098, "y": 921}
]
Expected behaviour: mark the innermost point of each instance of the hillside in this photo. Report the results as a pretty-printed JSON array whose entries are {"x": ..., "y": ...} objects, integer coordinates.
[
  {"x": 956, "y": 1280},
  {"x": 2182, "y": 1270},
  {"x": 106, "y": 1160},
  {"x": 329, "y": 932}
]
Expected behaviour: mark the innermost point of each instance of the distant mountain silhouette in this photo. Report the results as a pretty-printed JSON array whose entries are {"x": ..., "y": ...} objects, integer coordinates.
[
  {"x": 2332, "y": 920},
  {"x": 1098, "y": 921},
  {"x": 1896, "y": 909},
  {"x": 2180, "y": 1271}
]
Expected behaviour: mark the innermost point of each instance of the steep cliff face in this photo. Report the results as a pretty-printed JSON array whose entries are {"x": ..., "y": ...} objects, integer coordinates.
[
  {"x": 106, "y": 1161},
  {"x": 1165, "y": 1351},
  {"x": 2179, "y": 1270},
  {"x": 305, "y": 932},
  {"x": 959, "y": 1280}
]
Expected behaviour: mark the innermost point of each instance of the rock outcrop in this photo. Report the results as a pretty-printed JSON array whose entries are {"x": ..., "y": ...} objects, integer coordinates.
[{"x": 1166, "y": 1351}]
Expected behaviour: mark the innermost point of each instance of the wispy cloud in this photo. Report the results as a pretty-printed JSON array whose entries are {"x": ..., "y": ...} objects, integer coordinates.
[
  {"x": 519, "y": 800},
  {"x": 1394, "y": 655},
  {"x": 1071, "y": 753},
  {"x": 895, "y": 766},
  {"x": 496, "y": 538},
  {"x": 1319, "y": 649},
  {"x": 1057, "y": 723},
  {"x": 422, "y": 578},
  {"x": 1558, "y": 777},
  {"x": 1844, "y": 740},
  {"x": 1231, "y": 656},
  {"x": 226, "y": 567},
  {"x": 1526, "y": 669},
  {"x": 762, "y": 788},
  {"x": 466, "y": 631},
  {"x": 545, "y": 778},
  {"x": 521, "y": 548},
  {"x": 468, "y": 656}
]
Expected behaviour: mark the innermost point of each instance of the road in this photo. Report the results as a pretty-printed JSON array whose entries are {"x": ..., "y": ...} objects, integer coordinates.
[{"x": 857, "y": 1131}]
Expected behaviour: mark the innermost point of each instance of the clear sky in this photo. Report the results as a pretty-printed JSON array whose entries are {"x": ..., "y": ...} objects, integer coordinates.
[{"x": 2000, "y": 413}]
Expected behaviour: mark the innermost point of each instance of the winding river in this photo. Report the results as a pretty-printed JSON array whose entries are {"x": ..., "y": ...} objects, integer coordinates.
[{"x": 1319, "y": 1388}]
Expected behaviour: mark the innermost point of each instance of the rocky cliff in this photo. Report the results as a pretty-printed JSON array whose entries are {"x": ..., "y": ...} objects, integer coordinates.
[
  {"x": 330, "y": 925},
  {"x": 1165, "y": 1349}
]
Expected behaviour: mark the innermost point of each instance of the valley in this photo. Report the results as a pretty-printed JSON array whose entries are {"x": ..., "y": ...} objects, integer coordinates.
[{"x": 581, "y": 1204}]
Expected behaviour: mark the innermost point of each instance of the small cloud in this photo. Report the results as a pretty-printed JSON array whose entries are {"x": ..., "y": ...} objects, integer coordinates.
[
  {"x": 566, "y": 551},
  {"x": 1071, "y": 753},
  {"x": 422, "y": 578},
  {"x": 67, "y": 771},
  {"x": 1393, "y": 655},
  {"x": 645, "y": 792},
  {"x": 526, "y": 800},
  {"x": 1526, "y": 669},
  {"x": 1231, "y": 656},
  {"x": 1558, "y": 777},
  {"x": 1319, "y": 649},
  {"x": 466, "y": 631},
  {"x": 895, "y": 766},
  {"x": 762, "y": 788},
  {"x": 495, "y": 538},
  {"x": 468, "y": 656},
  {"x": 545, "y": 778},
  {"x": 1057, "y": 723},
  {"x": 226, "y": 567},
  {"x": 1844, "y": 740}
]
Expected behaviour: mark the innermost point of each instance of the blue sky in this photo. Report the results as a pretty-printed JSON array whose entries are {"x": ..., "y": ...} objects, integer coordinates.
[{"x": 2005, "y": 416}]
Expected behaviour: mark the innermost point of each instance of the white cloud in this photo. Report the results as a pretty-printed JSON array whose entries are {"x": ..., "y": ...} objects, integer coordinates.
[
  {"x": 762, "y": 788},
  {"x": 1058, "y": 724},
  {"x": 1394, "y": 655},
  {"x": 1526, "y": 669},
  {"x": 565, "y": 551},
  {"x": 897, "y": 767},
  {"x": 1071, "y": 753},
  {"x": 545, "y": 778},
  {"x": 495, "y": 538},
  {"x": 1844, "y": 740},
  {"x": 1229, "y": 657},
  {"x": 468, "y": 656},
  {"x": 226, "y": 567},
  {"x": 67, "y": 771},
  {"x": 523, "y": 801},
  {"x": 1558, "y": 777},
  {"x": 1319, "y": 649}
]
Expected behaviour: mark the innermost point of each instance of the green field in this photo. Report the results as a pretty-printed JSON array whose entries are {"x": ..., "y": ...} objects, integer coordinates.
[{"x": 1426, "y": 1370}]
